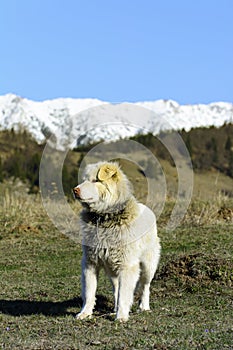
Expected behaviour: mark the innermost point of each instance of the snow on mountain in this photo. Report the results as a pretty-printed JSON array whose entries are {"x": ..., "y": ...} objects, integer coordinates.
[
  {"x": 68, "y": 122},
  {"x": 41, "y": 119}
]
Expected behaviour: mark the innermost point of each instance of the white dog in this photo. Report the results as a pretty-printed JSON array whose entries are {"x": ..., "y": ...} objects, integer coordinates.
[{"x": 119, "y": 235}]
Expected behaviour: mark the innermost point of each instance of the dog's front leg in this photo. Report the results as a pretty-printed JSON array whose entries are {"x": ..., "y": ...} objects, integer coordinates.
[
  {"x": 89, "y": 285},
  {"x": 127, "y": 283}
]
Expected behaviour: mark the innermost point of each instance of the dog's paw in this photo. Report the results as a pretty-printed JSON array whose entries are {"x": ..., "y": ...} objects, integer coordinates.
[
  {"x": 83, "y": 315},
  {"x": 143, "y": 308},
  {"x": 122, "y": 320}
]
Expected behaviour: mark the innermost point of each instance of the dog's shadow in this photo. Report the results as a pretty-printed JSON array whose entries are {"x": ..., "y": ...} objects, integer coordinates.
[{"x": 48, "y": 308}]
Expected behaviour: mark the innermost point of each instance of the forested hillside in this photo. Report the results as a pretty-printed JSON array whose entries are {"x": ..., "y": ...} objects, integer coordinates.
[{"x": 209, "y": 148}]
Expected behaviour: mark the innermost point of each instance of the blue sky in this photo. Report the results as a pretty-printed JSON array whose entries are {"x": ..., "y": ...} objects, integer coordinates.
[{"x": 125, "y": 50}]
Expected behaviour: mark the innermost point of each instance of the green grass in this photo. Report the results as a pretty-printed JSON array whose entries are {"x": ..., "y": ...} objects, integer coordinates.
[{"x": 191, "y": 296}]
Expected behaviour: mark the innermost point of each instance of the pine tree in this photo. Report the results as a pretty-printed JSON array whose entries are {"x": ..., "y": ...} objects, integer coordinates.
[
  {"x": 1, "y": 170},
  {"x": 66, "y": 180},
  {"x": 33, "y": 166},
  {"x": 230, "y": 166},
  {"x": 215, "y": 150},
  {"x": 189, "y": 145},
  {"x": 228, "y": 144}
]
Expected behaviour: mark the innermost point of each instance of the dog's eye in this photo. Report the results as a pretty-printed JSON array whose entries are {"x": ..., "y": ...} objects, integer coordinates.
[{"x": 94, "y": 180}]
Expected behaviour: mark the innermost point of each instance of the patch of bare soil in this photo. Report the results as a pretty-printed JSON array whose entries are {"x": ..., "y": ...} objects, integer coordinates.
[
  {"x": 226, "y": 213},
  {"x": 197, "y": 270}
]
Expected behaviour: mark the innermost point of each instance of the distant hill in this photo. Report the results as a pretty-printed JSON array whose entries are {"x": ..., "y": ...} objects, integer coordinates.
[
  {"x": 211, "y": 149},
  {"x": 20, "y": 157}
]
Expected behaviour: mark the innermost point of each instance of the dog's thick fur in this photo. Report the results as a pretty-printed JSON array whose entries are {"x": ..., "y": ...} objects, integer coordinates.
[{"x": 120, "y": 235}]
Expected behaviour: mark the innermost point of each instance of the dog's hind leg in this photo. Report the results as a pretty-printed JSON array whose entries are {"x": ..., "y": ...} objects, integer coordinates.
[
  {"x": 144, "y": 304},
  {"x": 144, "y": 288},
  {"x": 148, "y": 269}
]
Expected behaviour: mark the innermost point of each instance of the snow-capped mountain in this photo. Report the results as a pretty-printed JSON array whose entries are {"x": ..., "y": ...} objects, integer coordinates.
[{"x": 68, "y": 122}]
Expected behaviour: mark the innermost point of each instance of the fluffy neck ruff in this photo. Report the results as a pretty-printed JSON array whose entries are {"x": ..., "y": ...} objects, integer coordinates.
[{"x": 121, "y": 215}]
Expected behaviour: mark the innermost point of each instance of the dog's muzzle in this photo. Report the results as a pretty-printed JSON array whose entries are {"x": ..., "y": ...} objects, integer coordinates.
[{"x": 77, "y": 192}]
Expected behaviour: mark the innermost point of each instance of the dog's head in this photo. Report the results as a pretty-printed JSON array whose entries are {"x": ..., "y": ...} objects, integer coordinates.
[{"x": 104, "y": 187}]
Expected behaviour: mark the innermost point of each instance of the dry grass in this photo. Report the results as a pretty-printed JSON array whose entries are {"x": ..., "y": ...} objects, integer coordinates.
[
  {"x": 210, "y": 212},
  {"x": 20, "y": 212}
]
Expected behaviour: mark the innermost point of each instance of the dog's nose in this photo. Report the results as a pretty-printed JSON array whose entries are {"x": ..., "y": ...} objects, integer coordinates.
[{"x": 76, "y": 191}]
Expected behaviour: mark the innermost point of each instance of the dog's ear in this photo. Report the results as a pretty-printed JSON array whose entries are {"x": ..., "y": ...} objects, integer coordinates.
[{"x": 108, "y": 171}]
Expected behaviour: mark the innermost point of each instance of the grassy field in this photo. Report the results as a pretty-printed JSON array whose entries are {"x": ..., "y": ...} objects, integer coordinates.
[{"x": 191, "y": 296}]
